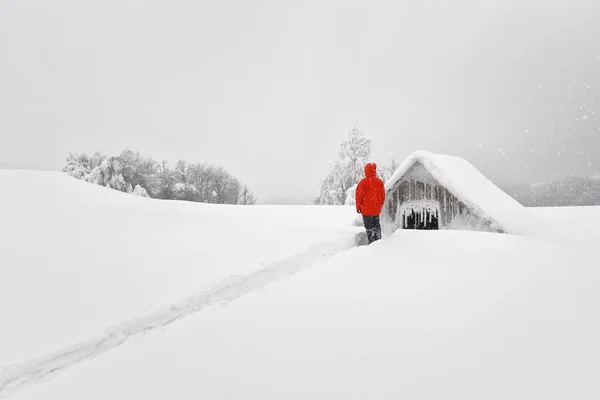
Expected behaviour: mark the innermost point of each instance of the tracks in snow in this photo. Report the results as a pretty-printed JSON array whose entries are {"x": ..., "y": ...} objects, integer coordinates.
[{"x": 18, "y": 376}]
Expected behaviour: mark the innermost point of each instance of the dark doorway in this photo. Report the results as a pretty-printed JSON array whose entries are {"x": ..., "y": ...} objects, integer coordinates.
[{"x": 426, "y": 220}]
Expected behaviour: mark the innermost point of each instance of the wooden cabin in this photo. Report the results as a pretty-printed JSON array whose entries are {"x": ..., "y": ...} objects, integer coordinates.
[
  {"x": 418, "y": 201},
  {"x": 431, "y": 191}
]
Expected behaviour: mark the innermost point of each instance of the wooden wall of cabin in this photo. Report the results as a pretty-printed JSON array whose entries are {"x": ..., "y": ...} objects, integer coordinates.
[{"x": 411, "y": 190}]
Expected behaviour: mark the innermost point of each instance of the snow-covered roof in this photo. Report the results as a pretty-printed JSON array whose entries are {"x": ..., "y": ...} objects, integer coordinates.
[{"x": 473, "y": 189}]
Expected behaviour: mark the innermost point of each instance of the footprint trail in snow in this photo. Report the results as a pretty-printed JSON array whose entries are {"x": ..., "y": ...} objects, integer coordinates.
[{"x": 18, "y": 376}]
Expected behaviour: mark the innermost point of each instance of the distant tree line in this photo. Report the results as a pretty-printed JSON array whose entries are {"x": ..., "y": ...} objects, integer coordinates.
[
  {"x": 571, "y": 191},
  {"x": 131, "y": 173}
]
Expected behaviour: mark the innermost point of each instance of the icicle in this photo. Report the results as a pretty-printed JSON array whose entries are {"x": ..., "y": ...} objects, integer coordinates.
[{"x": 445, "y": 201}]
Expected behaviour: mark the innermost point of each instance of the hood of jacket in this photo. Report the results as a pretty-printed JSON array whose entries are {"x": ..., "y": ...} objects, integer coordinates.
[{"x": 371, "y": 170}]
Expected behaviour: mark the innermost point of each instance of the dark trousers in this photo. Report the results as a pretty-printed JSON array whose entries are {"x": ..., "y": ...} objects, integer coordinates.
[{"x": 373, "y": 228}]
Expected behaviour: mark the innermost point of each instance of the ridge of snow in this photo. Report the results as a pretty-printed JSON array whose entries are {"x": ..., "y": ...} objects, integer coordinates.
[
  {"x": 17, "y": 376},
  {"x": 473, "y": 189}
]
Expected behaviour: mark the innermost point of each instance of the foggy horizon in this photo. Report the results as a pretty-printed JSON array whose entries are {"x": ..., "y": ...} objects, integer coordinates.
[{"x": 269, "y": 91}]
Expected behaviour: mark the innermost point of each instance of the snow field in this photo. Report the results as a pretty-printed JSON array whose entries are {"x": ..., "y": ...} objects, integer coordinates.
[
  {"x": 427, "y": 315},
  {"x": 76, "y": 258}
]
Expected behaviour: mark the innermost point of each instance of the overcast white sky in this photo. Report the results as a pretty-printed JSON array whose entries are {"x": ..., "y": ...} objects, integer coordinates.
[{"x": 269, "y": 89}]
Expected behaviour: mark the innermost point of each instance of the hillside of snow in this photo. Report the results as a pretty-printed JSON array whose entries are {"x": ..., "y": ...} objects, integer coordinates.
[
  {"x": 76, "y": 258},
  {"x": 106, "y": 295}
]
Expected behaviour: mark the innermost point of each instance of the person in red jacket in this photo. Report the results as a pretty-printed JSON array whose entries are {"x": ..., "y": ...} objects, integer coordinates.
[{"x": 370, "y": 196}]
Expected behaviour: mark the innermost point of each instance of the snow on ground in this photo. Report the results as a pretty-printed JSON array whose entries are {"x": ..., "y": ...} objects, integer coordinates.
[
  {"x": 577, "y": 223},
  {"x": 422, "y": 314},
  {"x": 427, "y": 315},
  {"x": 76, "y": 258}
]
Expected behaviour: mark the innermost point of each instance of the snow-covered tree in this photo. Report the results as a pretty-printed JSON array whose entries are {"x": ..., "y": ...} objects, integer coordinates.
[
  {"x": 110, "y": 174},
  {"x": 138, "y": 171},
  {"x": 246, "y": 197},
  {"x": 332, "y": 188},
  {"x": 351, "y": 196},
  {"x": 167, "y": 179},
  {"x": 185, "y": 191},
  {"x": 77, "y": 165},
  {"x": 346, "y": 172},
  {"x": 80, "y": 165},
  {"x": 140, "y": 191},
  {"x": 224, "y": 186},
  {"x": 355, "y": 153},
  {"x": 148, "y": 170},
  {"x": 181, "y": 171},
  {"x": 388, "y": 171}
]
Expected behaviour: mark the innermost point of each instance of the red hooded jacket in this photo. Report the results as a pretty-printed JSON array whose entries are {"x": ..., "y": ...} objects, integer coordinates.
[{"x": 370, "y": 193}]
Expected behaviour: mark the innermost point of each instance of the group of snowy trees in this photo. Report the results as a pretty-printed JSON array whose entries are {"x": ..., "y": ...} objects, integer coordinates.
[
  {"x": 131, "y": 173},
  {"x": 339, "y": 185}
]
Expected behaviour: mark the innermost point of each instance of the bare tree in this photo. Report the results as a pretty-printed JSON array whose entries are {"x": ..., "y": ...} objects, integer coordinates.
[{"x": 246, "y": 197}]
